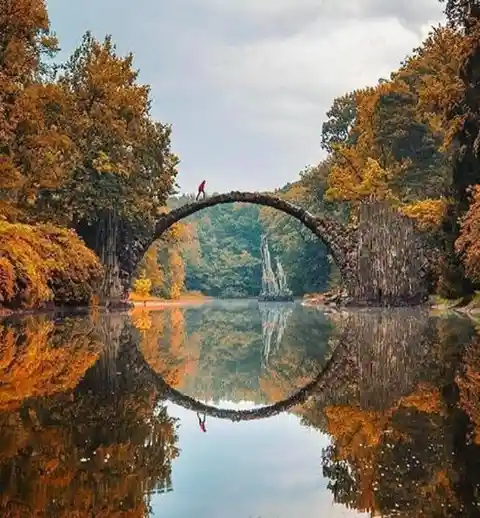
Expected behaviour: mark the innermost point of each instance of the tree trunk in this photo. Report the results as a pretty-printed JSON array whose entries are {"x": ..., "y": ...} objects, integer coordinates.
[
  {"x": 111, "y": 287},
  {"x": 103, "y": 238}
]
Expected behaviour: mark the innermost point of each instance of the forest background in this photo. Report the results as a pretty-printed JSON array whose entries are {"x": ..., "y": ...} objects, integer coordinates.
[{"x": 84, "y": 169}]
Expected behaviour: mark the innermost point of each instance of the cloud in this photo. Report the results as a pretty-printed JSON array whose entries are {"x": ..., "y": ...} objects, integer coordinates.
[
  {"x": 246, "y": 83},
  {"x": 288, "y": 78},
  {"x": 329, "y": 11}
]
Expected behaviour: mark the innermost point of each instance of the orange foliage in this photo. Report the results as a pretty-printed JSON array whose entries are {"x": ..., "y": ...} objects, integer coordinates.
[
  {"x": 35, "y": 152},
  {"x": 66, "y": 477},
  {"x": 177, "y": 274},
  {"x": 469, "y": 385},
  {"x": 468, "y": 243},
  {"x": 355, "y": 429},
  {"x": 365, "y": 169},
  {"x": 426, "y": 398},
  {"x": 163, "y": 264},
  {"x": 163, "y": 342},
  {"x": 394, "y": 115},
  {"x": 33, "y": 363},
  {"x": 45, "y": 263},
  {"x": 435, "y": 68}
]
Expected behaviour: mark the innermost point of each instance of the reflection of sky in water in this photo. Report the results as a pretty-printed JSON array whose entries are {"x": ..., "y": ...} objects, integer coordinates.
[{"x": 269, "y": 468}]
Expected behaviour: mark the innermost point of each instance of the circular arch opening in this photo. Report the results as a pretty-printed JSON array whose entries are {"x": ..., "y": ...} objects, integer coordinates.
[
  {"x": 319, "y": 383},
  {"x": 331, "y": 232}
]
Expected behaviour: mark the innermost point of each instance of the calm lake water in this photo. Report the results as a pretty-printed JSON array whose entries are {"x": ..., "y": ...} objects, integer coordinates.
[{"x": 240, "y": 410}]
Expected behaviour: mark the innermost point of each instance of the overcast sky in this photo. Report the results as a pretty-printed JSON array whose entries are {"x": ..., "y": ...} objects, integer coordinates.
[{"x": 246, "y": 83}]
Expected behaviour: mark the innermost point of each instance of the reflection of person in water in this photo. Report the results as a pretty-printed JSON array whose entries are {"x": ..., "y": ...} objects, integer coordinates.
[{"x": 201, "y": 421}]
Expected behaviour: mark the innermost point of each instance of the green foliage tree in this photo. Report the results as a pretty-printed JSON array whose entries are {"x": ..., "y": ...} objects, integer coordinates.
[
  {"x": 464, "y": 17},
  {"x": 228, "y": 260},
  {"x": 338, "y": 128}
]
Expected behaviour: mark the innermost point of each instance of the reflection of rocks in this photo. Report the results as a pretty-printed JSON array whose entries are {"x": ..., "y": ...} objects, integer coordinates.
[
  {"x": 384, "y": 350},
  {"x": 401, "y": 432},
  {"x": 376, "y": 360},
  {"x": 274, "y": 322}
]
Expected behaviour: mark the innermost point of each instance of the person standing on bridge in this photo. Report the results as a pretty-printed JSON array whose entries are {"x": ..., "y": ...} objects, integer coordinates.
[
  {"x": 201, "y": 190},
  {"x": 201, "y": 422}
]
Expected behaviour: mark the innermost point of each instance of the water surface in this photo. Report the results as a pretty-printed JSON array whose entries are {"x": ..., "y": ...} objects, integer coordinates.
[{"x": 241, "y": 410}]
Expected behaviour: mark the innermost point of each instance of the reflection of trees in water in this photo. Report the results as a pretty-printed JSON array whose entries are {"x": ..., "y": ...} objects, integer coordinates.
[
  {"x": 401, "y": 407},
  {"x": 98, "y": 450},
  {"x": 39, "y": 357},
  {"x": 403, "y": 417},
  {"x": 220, "y": 355},
  {"x": 164, "y": 343}
]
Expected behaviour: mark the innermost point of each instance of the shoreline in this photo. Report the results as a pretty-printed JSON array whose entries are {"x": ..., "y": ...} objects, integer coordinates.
[
  {"x": 322, "y": 302},
  {"x": 312, "y": 301},
  {"x": 129, "y": 306},
  {"x": 160, "y": 304}
]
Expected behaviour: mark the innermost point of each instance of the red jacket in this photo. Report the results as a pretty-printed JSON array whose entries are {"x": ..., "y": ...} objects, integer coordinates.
[{"x": 201, "y": 186}]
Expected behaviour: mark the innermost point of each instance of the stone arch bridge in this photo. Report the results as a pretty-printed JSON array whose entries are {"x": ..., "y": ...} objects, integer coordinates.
[{"x": 382, "y": 259}]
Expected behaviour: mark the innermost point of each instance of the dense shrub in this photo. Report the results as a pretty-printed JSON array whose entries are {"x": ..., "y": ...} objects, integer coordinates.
[{"x": 44, "y": 263}]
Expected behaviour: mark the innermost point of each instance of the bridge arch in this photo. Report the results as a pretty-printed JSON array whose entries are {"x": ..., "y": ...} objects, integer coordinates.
[
  {"x": 321, "y": 383},
  {"x": 331, "y": 232}
]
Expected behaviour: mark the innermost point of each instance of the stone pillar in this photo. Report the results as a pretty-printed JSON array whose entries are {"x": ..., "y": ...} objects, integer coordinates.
[{"x": 388, "y": 265}]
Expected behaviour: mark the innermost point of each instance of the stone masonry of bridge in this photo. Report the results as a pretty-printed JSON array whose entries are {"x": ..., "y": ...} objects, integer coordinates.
[{"x": 382, "y": 259}]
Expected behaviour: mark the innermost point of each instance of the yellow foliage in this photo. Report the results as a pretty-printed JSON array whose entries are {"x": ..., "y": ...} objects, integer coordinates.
[
  {"x": 364, "y": 170},
  {"x": 164, "y": 265},
  {"x": 68, "y": 475},
  {"x": 354, "y": 429},
  {"x": 427, "y": 213},
  {"x": 45, "y": 263},
  {"x": 435, "y": 67},
  {"x": 177, "y": 274},
  {"x": 141, "y": 319},
  {"x": 36, "y": 153},
  {"x": 177, "y": 232},
  {"x": 163, "y": 344},
  {"x": 152, "y": 269},
  {"x": 41, "y": 358},
  {"x": 389, "y": 123},
  {"x": 142, "y": 286}
]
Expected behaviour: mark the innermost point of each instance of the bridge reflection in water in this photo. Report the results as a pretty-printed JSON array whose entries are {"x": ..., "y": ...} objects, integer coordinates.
[
  {"x": 85, "y": 431},
  {"x": 381, "y": 350}
]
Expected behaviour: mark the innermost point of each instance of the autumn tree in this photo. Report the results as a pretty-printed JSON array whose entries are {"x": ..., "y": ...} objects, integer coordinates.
[
  {"x": 468, "y": 243},
  {"x": 164, "y": 265},
  {"x": 152, "y": 269},
  {"x": 35, "y": 151},
  {"x": 338, "y": 128},
  {"x": 123, "y": 442},
  {"x": 125, "y": 171},
  {"x": 395, "y": 155},
  {"x": 464, "y": 17},
  {"x": 143, "y": 286}
]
